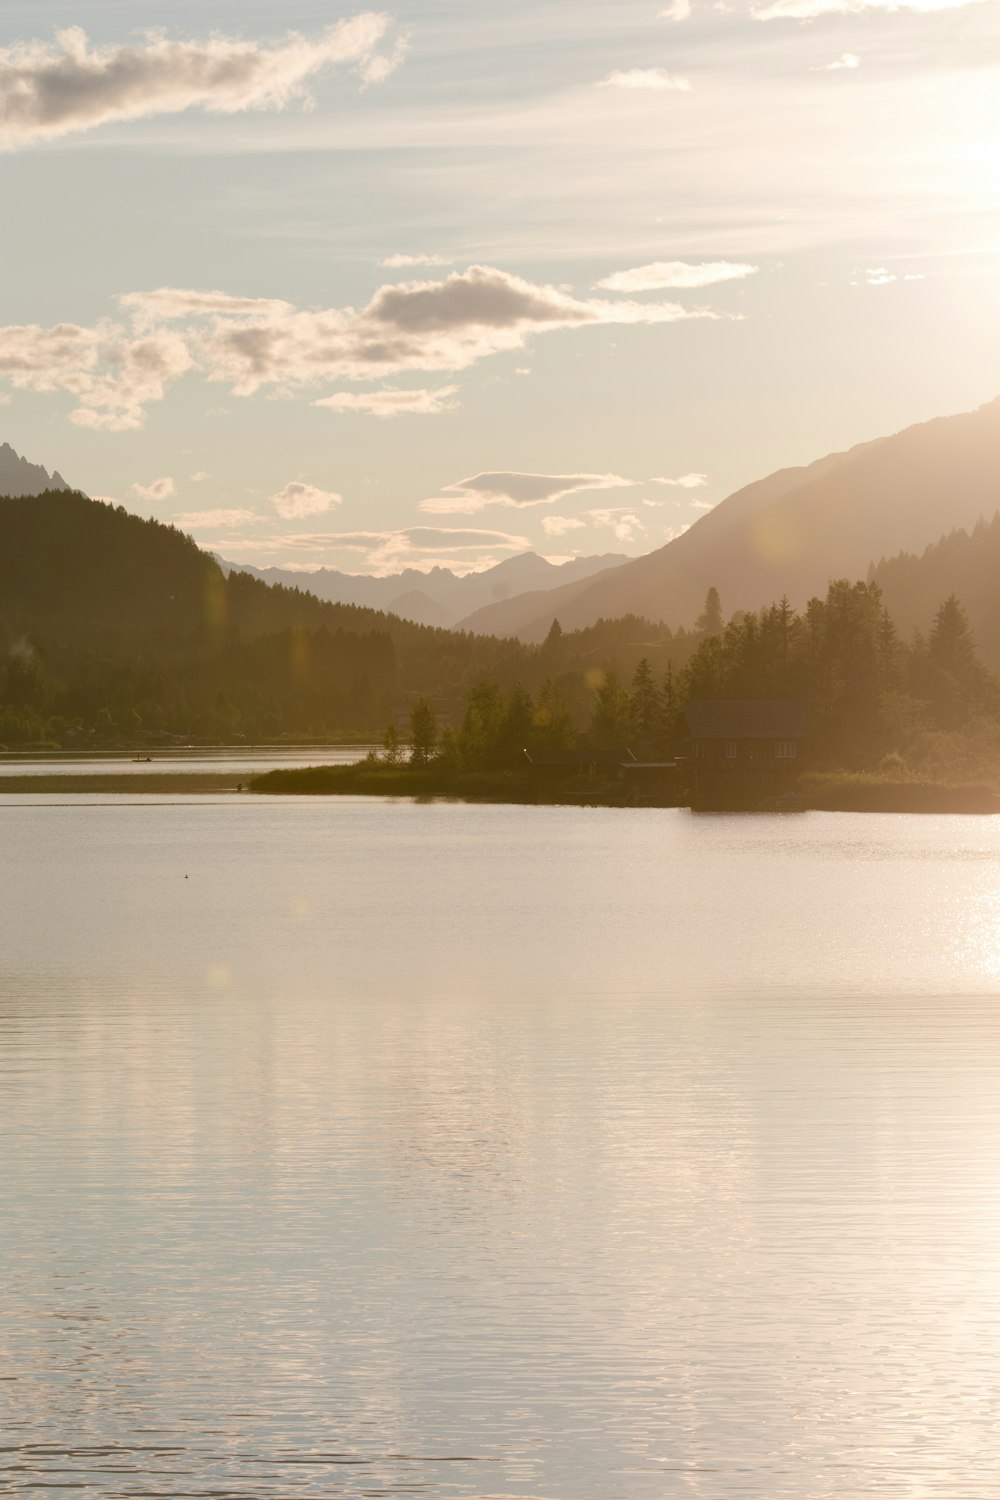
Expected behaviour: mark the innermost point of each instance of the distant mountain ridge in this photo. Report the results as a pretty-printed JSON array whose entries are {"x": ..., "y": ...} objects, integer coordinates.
[
  {"x": 438, "y": 597},
  {"x": 18, "y": 477},
  {"x": 791, "y": 532}
]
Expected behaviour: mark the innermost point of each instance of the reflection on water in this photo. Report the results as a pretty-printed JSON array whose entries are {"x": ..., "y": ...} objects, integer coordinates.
[
  {"x": 229, "y": 761},
  {"x": 364, "y": 1148}
]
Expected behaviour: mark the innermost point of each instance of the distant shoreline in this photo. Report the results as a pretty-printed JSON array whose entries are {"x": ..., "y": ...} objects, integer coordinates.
[{"x": 823, "y": 792}]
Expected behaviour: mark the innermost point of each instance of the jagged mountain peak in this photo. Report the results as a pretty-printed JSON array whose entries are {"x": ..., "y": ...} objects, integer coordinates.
[{"x": 19, "y": 477}]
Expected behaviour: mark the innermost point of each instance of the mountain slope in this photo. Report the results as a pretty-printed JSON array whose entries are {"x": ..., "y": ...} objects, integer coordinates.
[
  {"x": 106, "y": 617},
  {"x": 439, "y": 596},
  {"x": 18, "y": 477},
  {"x": 794, "y": 531},
  {"x": 964, "y": 563}
]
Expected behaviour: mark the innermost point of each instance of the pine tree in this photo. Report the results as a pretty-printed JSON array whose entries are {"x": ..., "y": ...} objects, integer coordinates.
[
  {"x": 423, "y": 733},
  {"x": 710, "y": 619},
  {"x": 391, "y": 746},
  {"x": 609, "y": 726},
  {"x": 644, "y": 703}
]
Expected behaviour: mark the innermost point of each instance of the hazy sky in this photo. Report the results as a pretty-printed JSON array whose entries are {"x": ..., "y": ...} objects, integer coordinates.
[{"x": 435, "y": 283}]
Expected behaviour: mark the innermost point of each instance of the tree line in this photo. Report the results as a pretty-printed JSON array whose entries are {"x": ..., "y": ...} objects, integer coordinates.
[{"x": 870, "y": 696}]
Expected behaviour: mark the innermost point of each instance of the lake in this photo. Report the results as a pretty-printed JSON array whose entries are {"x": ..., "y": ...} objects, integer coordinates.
[{"x": 369, "y": 1148}]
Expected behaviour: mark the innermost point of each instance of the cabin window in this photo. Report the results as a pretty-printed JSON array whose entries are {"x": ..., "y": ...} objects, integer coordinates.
[
  {"x": 730, "y": 749},
  {"x": 786, "y": 749}
]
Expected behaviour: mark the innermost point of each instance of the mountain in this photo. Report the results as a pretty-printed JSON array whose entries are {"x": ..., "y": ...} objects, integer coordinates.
[
  {"x": 963, "y": 563},
  {"x": 792, "y": 532},
  {"x": 18, "y": 477},
  {"x": 439, "y": 596},
  {"x": 114, "y": 628},
  {"x": 107, "y": 619}
]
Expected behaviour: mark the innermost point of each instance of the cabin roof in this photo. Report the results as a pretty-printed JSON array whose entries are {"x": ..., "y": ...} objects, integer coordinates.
[{"x": 745, "y": 719}]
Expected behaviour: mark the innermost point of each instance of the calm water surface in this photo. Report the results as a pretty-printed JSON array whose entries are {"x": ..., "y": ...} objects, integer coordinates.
[
  {"x": 358, "y": 1148},
  {"x": 230, "y": 760}
]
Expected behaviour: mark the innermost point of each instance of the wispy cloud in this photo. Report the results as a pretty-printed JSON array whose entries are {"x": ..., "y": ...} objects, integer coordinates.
[
  {"x": 391, "y": 402},
  {"x": 388, "y": 551},
  {"x": 676, "y": 274},
  {"x": 403, "y": 262},
  {"x": 846, "y": 62},
  {"x": 297, "y": 500},
  {"x": 53, "y": 89},
  {"x": 808, "y": 10},
  {"x": 560, "y": 525},
  {"x": 517, "y": 491},
  {"x": 201, "y": 520},
  {"x": 156, "y": 490},
  {"x": 650, "y": 79},
  {"x": 679, "y": 10},
  {"x": 685, "y": 481}
]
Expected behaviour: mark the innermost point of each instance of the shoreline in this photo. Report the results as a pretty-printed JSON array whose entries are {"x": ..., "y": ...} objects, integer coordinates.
[{"x": 821, "y": 792}]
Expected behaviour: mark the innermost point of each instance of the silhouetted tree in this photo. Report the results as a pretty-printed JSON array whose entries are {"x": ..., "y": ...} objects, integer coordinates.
[
  {"x": 609, "y": 726},
  {"x": 423, "y": 732},
  {"x": 645, "y": 708},
  {"x": 710, "y": 619},
  {"x": 392, "y": 748}
]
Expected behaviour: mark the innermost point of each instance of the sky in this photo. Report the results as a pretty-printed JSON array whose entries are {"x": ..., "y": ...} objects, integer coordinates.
[{"x": 442, "y": 282}]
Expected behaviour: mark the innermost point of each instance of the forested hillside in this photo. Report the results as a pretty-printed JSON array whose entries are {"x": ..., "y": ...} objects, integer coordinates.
[
  {"x": 114, "y": 627},
  {"x": 964, "y": 563}
]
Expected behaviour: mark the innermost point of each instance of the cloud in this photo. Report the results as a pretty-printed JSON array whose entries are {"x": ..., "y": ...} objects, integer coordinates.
[
  {"x": 703, "y": 505},
  {"x": 402, "y": 262},
  {"x": 625, "y": 524},
  {"x": 646, "y": 78},
  {"x": 808, "y": 10},
  {"x": 678, "y": 274},
  {"x": 199, "y": 520},
  {"x": 848, "y": 60},
  {"x": 388, "y": 551},
  {"x": 518, "y": 491},
  {"x": 391, "y": 402},
  {"x": 53, "y": 89},
  {"x": 421, "y": 326},
  {"x": 159, "y": 489},
  {"x": 199, "y": 476},
  {"x": 116, "y": 369},
  {"x": 879, "y": 276},
  {"x": 685, "y": 481},
  {"x": 168, "y": 304},
  {"x": 679, "y": 10},
  {"x": 560, "y": 525},
  {"x": 111, "y": 373},
  {"x": 297, "y": 500}
]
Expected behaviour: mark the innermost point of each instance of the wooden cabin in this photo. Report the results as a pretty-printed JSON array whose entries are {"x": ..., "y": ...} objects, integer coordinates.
[{"x": 744, "y": 752}]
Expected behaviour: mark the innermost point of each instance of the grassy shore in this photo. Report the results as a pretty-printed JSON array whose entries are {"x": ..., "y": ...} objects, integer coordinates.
[
  {"x": 827, "y": 791},
  {"x": 859, "y": 791},
  {"x": 365, "y": 780}
]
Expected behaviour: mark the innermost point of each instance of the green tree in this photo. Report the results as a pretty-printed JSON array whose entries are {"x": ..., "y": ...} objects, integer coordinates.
[
  {"x": 610, "y": 725},
  {"x": 645, "y": 707},
  {"x": 710, "y": 619},
  {"x": 391, "y": 746},
  {"x": 553, "y": 647},
  {"x": 552, "y": 728},
  {"x": 950, "y": 645},
  {"x": 423, "y": 733}
]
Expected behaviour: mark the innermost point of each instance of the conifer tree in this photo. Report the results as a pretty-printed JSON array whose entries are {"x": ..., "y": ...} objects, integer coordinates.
[
  {"x": 423, "y": 733},
  {"x": 710, "y": 619},
  {"x": 644, "y": 703}
]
